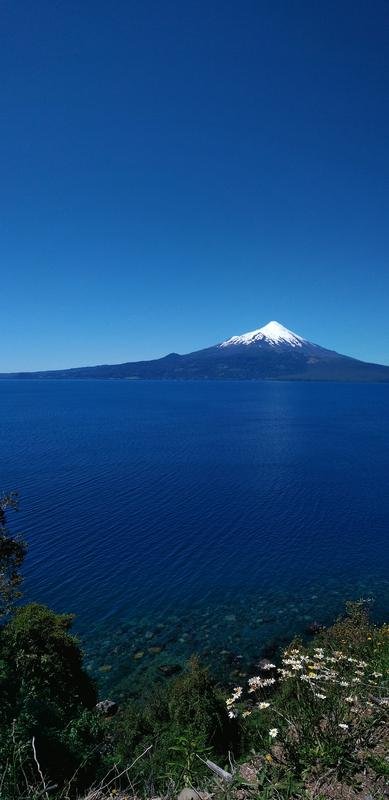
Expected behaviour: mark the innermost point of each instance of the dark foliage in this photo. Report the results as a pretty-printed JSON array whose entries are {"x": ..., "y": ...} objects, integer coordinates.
[
  {"x": 46, "y": 694},
  {"x": 182, "y": 720},
  {"x": 12, "y": 553}
]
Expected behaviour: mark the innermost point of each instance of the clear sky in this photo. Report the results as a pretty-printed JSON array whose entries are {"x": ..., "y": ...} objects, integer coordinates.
[{"x": 173, "y": 173}]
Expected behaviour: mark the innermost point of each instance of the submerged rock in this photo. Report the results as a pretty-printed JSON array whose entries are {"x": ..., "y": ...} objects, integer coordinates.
[
  {"x": 313, "y": 628},
  {"x": 170, "y": 669},
  {"x": 138, "y": 655},
  {"x": 155, "y": 649}
]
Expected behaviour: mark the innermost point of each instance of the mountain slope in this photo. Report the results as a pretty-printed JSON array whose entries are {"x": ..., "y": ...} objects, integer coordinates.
[{"x": 269, "y": 353}]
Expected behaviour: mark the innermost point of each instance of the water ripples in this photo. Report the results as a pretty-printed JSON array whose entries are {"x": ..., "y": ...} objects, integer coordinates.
[{"x": 143, "y": 497}]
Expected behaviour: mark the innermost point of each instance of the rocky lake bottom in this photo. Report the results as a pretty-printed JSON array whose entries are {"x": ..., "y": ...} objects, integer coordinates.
[{"x": 229, "y": 635}]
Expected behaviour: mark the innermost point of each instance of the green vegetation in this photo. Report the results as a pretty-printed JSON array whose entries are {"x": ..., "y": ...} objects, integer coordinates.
[
  {"x": 320, "y": 718},
  {"x": 314, "y": 725},
  {"x": 46, "y": 698},
  {"x": 181, "y": 720},
  {"x": 12, "y": 553},
  {"x": 44, "y": 692}
]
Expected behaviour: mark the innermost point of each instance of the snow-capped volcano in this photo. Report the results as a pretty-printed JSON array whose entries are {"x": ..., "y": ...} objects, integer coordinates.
[
  {"x": 271, "y": 353},
  {"x": 273, "y": 333}
]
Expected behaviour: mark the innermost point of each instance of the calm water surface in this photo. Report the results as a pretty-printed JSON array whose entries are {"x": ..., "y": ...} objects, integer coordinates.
[{"x": 211, "y": 516}]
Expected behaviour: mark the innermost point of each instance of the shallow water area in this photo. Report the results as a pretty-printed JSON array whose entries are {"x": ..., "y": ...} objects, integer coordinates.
[{"x": 230, "y": 635}]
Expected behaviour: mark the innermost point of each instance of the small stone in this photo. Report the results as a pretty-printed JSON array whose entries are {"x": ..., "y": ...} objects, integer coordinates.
[
  {"x": 154, "y": 650},
  {"x": 139, "y": 654},
  {"x": 188, "y": 794},
  {"x": 105, "y": 668},
  {"x": 149, "y": 635},
  {"x": 107, "y": 707},
  {"x": 192, "y": 794},
  {"x": 248, "y": 773},
  {"x": 170, "y": 669}
]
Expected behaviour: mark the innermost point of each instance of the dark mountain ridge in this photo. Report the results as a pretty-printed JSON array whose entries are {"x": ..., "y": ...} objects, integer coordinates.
[{"x": 269, "y": 353}]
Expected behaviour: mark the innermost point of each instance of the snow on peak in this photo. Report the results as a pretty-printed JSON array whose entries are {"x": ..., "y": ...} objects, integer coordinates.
[
  {"x": 276, "y": 332},
  {"x": 273, "y": 333}
]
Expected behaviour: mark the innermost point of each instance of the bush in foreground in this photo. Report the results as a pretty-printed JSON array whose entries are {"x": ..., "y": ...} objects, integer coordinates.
[
  {"x": 45, "y": 700},
  {"x": 179, "y": 722}
]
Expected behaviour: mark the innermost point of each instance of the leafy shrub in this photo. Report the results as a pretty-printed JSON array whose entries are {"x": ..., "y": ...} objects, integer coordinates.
[
  {"x": 197, "y": 706},
  {"x": 181, "y": 721},
  {"x": 12, "y": 553},
  {"x": 45, "y": 694}
]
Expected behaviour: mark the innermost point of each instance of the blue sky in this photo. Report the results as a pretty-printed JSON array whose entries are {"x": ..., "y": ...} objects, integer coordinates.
[{"x": 175, "y": 173}]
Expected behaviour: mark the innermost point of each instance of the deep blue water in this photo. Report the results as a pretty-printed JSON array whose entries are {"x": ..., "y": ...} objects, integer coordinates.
[{"x": 217, "y": 516}]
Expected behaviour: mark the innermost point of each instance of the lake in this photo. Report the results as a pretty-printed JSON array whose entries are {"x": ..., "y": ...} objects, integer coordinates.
[{"x": 212, "y": 517}]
